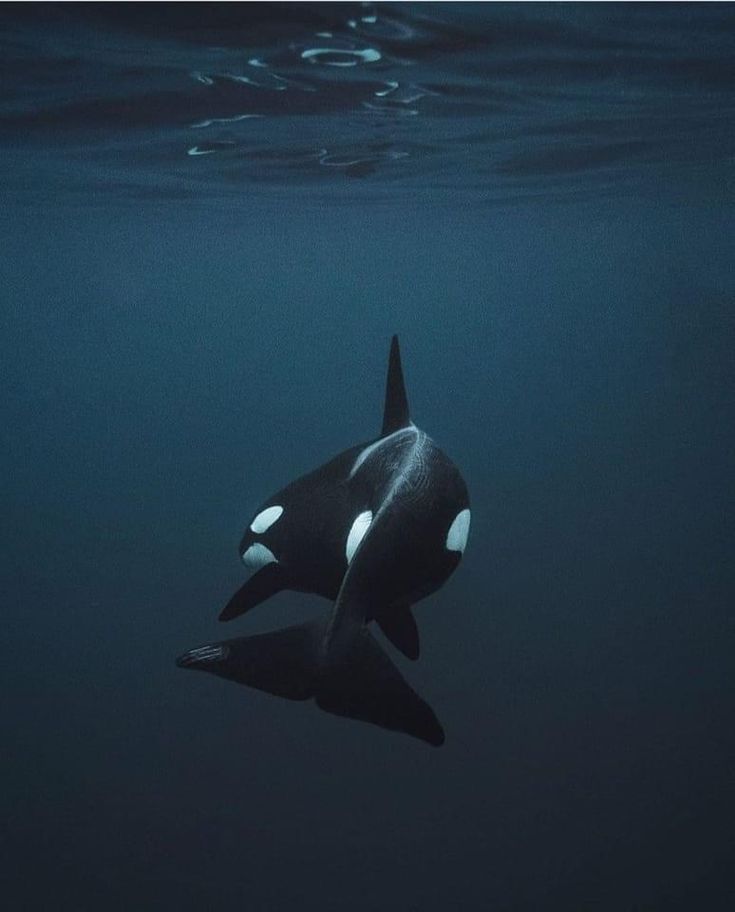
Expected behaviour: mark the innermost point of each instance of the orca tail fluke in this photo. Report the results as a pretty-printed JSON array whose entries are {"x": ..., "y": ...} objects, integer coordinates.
[
  {"x": 364, "y": 685},
  {"x": 395, "y": 413},
  {"x": 280, "y": 663}
]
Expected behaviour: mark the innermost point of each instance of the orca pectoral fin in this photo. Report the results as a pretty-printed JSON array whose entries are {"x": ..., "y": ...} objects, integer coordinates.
[
  {"x": 395, "y": 413},
  {"x": 399, "y": 626},
  {"x": 364, "y": 685},
  {"x": 262, "y": 585}
]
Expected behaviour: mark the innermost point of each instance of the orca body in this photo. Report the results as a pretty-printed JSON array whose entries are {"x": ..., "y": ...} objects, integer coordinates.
[
  {"x": 375, "y": 529},
  {"x": 369, "y": 529}
]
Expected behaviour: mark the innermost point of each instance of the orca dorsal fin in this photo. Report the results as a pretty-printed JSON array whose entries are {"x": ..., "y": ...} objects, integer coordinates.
[{"x": 395, "y": 414}]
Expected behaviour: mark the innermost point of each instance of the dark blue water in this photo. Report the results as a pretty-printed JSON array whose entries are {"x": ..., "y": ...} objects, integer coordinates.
[{"x": 213, "y": 219}]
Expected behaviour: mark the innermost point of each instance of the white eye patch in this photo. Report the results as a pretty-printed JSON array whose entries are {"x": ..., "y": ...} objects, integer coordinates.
[
  {"x": 458, "y": 532},
  {"x": 357, "y": 533},
  {"x": 265, "y": 519}
]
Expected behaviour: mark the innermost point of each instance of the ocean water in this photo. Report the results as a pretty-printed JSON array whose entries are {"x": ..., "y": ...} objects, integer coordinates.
[{"x": 213, "y": 219}]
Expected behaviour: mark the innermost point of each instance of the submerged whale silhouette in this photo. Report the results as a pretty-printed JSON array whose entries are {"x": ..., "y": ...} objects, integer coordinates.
[{"x": 375, "y": 529}]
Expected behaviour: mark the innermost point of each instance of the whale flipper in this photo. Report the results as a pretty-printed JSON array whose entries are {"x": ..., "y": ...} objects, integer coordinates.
[
  {"x": 262, "y": 585},
  {"x": 363, "y": 685},
  {"x": 399, "y": 626},
  {"x": 395, "y": 413}
]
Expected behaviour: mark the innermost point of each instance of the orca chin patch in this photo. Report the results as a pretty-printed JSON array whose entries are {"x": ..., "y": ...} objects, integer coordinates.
[{"x": 258, "y": 556}]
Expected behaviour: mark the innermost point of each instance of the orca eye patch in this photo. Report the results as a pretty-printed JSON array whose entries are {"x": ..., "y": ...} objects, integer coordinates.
[
  {"x": 265, "y": 519},
  {"x": 458, "y": 532},
  {"x": 357, "y": 532}
]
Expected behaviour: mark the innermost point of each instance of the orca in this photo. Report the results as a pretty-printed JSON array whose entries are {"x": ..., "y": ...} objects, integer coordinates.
[{"x": 374, "y": 530}]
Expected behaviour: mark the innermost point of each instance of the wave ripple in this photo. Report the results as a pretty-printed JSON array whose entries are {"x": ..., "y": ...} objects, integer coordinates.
[{"x": 493, "y": 100}]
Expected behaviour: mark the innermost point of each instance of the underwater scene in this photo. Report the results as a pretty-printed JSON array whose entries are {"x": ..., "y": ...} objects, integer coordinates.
[{"x": 375, "y": 359}]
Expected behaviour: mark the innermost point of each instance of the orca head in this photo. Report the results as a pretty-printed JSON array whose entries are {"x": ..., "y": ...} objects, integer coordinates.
[
  {"x": 261, "y": 551},
  {"x": 258, "y": 548}
]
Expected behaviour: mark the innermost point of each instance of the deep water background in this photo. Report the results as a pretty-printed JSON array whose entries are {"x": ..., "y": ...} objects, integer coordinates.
[{"x": 168, "y": 363}]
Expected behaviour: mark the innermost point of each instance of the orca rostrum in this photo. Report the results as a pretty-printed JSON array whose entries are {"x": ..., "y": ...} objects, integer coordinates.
[{"x": 374, "y": 530}]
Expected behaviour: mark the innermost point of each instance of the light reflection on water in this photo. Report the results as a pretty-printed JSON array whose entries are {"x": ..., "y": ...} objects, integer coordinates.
[{"x": 491, "y": 100}]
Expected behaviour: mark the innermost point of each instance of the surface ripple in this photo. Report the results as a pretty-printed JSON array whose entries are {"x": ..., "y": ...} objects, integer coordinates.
[{"x": 491, "y": 100}]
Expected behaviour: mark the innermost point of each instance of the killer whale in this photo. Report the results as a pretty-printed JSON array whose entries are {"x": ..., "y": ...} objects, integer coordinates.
[
  {"x": 392, "y": 499},
  {"x": 374, "y": 530}
]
